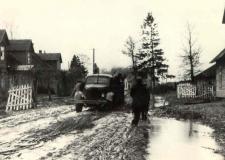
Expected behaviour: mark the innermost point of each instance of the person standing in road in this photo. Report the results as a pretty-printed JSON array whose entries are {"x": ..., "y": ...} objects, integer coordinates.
[
  {"x": 79, "y": 96},
  {"x": 141, "y": 98}
]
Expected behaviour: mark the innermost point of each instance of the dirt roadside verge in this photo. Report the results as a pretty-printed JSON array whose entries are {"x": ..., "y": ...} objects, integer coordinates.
[{"x": 211, "y": 114}]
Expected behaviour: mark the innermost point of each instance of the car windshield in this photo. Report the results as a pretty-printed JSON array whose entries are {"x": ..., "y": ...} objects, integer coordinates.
[{"x": 98, "y": 80}]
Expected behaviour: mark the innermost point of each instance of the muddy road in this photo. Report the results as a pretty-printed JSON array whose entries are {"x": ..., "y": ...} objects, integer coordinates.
[
  {"x": 55, "y": 133},
  {"x": 61, "y": 133}
]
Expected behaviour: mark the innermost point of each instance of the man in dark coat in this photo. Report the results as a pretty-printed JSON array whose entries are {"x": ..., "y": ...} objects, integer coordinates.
[{"x": 141, "y": 97}]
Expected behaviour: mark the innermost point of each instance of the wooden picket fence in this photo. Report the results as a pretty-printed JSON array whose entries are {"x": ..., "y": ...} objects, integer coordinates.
[
  {"x": 206, "y": 92},
  {"x": 20, "y": 98},
  {"x": 188, "y": 90}
]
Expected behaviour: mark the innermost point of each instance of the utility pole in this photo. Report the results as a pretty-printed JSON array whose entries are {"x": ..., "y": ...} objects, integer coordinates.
[
  {"x": 68, "y": 65},
  {"x": 93, "y": 60}
]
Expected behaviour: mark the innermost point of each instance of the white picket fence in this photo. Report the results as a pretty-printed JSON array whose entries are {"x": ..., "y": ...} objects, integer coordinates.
[
  {"x": 20, "y": 98},
  {"x": 188, "y": 90}
]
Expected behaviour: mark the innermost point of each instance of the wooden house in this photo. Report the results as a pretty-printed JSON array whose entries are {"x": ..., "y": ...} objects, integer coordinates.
[
  {"x": 3, "y": 63},
  {"x": 54, "y": 60},
  {"x": 220, "y": 73},
  {"x": 17, "y": 60},
  {"x": 207, "y": 77},
  {"x": 211, "y": 81}
]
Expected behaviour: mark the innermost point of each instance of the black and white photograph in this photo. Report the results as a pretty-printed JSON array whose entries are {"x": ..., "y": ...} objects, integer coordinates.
[{"x": 112, "y": 80}]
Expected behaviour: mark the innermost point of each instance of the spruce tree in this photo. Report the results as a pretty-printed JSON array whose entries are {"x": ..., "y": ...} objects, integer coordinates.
[
  {"x": 150, "y": 57},
  {"x": 77, "y": 67}
]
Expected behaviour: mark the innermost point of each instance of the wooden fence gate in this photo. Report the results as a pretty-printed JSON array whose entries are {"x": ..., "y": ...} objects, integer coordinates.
[{"x": 20, "y": 97}]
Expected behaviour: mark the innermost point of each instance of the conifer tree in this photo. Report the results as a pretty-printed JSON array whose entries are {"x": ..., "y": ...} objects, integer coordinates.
[
  {"x": 150, "y": 57},
  {"x": 77, "y": 67}
]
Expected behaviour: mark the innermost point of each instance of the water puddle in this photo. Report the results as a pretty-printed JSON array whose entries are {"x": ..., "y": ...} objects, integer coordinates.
[{"x": 171, "y": 139}]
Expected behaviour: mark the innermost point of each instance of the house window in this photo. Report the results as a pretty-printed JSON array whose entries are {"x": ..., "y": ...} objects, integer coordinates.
[{"x": 2, "y": 53}]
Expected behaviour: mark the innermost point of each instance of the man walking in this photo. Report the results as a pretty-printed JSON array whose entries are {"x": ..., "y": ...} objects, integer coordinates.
[{"x": 141, "y": 97}]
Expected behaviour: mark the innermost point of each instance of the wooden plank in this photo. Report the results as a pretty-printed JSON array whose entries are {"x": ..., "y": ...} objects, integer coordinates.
[
  {"x": 14, "y": 99},
  {"x": 31, "y": 98},
  {"x": 23, "y": 100},
  {"x": 8, "y": 103},
  {"x": 19, "y": 98},
  {"x": 26, "y": 96},
  {"x": 22, "y": 96}
]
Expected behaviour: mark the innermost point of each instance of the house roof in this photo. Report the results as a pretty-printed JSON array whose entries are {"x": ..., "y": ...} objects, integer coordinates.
[
  {"x": 20, "y": 45},
  {"x": 2, "y": 33},
  {"x": 50, "y": 56},
  {"x": 207, "y": 73},
  {"x": 220, "y": 55}
]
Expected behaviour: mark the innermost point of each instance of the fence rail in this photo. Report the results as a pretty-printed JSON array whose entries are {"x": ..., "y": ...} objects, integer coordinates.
[{"x": 20, "y": 98}]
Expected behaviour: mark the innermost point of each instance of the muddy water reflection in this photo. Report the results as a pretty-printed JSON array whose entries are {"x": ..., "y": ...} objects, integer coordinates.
[{"x": 177, "y": 140}]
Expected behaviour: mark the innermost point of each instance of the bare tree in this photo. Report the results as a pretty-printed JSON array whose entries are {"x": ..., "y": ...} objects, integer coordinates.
[
  {"x": 130, "y": 51},
  {"x": 191, "y": 55},
  {"x": 11, "y": 27}
]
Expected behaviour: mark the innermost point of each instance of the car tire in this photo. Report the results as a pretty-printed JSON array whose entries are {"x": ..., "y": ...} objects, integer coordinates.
[{"x": 79, "y": 108}]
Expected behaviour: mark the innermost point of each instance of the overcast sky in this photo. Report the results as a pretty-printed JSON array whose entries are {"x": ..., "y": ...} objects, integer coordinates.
[{"x": 77, "y": 26}]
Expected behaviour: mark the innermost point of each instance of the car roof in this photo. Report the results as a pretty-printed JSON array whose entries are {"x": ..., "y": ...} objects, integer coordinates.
[{"x": 100, "y": 75}]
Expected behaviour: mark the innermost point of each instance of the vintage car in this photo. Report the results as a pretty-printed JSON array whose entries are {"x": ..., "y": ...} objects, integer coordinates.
[{"x": 96, "y": 88}]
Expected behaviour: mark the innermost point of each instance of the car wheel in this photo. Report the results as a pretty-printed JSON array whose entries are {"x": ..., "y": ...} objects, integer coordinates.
[{"x": 79, "y": 108}]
